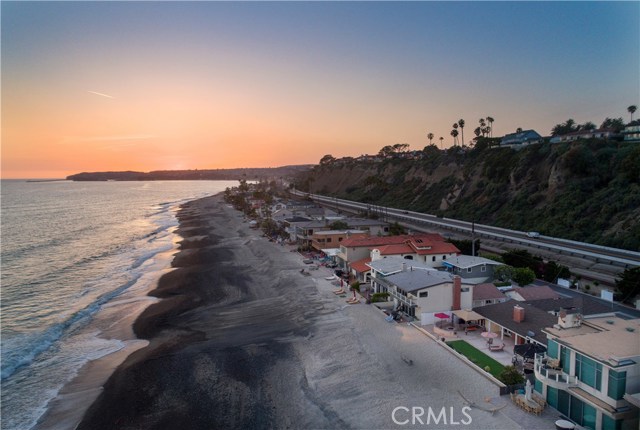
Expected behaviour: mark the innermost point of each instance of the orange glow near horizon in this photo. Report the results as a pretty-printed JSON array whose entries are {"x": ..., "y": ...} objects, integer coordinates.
[{"x": 98, "y": 86}]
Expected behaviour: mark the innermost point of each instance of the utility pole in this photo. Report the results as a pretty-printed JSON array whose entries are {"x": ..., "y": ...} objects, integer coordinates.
[{"x": 473, "y": 238}]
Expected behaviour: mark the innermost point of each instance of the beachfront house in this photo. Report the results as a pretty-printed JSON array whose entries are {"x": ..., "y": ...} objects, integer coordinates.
[
  {"x": 428, "y": 248},
  {"x": 591, "y": 370},
  {"x": 604, "y": 134},
  {"x": 631, "y": 132},
  {"x": 421, "y": 293},
  {"x": 532, "y": 293},
  {"x": 331, "y": 239},
  {"x": 474, "y": 270},
  {"x": 520, "y": 139},
  {"x": 519, "y": 322},
  {"x": 487, "y": 294}
]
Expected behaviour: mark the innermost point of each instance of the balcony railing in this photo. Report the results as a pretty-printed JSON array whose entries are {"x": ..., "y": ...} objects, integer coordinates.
[{"x": 551, "y": 376}]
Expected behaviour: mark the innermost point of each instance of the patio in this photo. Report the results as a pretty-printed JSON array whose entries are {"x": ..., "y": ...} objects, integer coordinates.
[{"x": 474, "y": 337}]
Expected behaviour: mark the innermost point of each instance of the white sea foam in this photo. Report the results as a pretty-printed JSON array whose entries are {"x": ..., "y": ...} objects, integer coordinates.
[{"x": 77, "y": 263}]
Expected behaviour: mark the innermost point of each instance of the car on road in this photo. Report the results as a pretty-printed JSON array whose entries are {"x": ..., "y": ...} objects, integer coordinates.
[{"x": 533, "y": 234}]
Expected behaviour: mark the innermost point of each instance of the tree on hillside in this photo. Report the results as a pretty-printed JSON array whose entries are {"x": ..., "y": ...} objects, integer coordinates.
[
  {"x": 327, "y": 159},
  {"x": 396, "y": 229},
  {"x": 632, "y": 109},
  {"x": 400, "y": 147},
  {"x": 616, "y": 124},
  {"x": 454, "y": 133},
  {"x": 338, "y": 225},
  {"x": 521, "y": 258},
  {"x": 461, "y": 124},
  {"x": 490, "y": 121},
  {"x": 629, "y": 283},
  {"x": 523, "y": 276},
  {"x": 431, "y": 151},
  {"x": 441, "y": 139},
  {"x": 386, "y": 151},
  {"x": 564, "y": 128},
  {"x": 477, "y": 131},
  {"x": 587, "y": 126},
  {"x": 430, "y": 137}
]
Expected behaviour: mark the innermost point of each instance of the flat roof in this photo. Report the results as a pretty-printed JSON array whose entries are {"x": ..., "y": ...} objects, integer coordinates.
[
  {"x": 608, "y": 339},
  {"x": 389, "y": 265},
  {"x": 415, "y": 280}
]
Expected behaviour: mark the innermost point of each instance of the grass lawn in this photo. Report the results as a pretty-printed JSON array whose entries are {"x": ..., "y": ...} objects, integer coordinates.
[{"x": 477, "y": 357}]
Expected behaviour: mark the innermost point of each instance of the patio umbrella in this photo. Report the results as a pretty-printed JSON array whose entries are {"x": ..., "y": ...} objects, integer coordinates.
[
  {"x": 489, "y": 335},
  {"x": 442, "y": 316}
]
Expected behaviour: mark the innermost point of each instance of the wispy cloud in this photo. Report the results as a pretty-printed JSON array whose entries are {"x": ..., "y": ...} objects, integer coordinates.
[
  {"x": 101, "y": 94},
  {"x": 112, "y": 138}
]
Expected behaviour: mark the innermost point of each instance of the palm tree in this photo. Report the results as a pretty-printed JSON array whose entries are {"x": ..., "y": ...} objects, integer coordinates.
[
  {"x": 441, "y": 139},
  {"x": 461, "y": 124},
  {"x": 632, "y": 109},
  {"x": 483, "y": 126},
  {"x": 430, "y": 137},
  {"x": 454, "y": 133},
  {"x": 490, "y": 121}
]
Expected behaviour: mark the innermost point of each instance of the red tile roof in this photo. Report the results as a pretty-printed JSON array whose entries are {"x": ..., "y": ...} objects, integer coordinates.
[
  {"x": 421, "y": 244},
  {"x": 395, "y": 249},
  {"x": 360, "y": 266},
  {"x": 389, "y": 240}
]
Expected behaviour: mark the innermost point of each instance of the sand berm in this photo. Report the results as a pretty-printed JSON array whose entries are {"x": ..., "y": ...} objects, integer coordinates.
[{"x": 242, "y": 340}]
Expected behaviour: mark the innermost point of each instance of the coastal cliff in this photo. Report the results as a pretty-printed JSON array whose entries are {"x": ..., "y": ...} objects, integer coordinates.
[
  {"x": 207, "y": 174},
  {"x": 586, "y": 190}
]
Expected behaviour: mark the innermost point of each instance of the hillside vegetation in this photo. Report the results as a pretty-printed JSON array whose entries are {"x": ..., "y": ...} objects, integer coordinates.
[{"x": 586, "y": 190}]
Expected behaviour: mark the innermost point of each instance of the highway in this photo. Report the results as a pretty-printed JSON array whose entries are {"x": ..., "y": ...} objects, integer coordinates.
[{"x": 599, "y": 254}]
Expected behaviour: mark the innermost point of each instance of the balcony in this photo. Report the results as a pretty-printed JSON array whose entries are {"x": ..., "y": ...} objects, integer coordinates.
[{"x": 553, "y": 377}]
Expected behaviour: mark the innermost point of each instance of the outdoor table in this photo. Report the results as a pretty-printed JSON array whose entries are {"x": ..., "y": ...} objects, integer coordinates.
[{"x": 565, "y": 425}]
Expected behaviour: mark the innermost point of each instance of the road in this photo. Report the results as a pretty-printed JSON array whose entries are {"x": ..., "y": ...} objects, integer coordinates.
[{"x": 621, "y": 258}]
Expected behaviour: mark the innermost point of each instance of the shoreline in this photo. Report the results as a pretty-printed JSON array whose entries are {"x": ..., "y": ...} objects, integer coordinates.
[{"x": 241, "y": 339}]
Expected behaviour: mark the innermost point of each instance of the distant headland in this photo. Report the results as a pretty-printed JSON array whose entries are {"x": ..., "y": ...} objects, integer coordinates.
[{"x": 208, "y": 174}]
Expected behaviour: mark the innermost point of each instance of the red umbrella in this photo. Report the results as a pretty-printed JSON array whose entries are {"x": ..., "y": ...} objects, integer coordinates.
[{"x": 442, "y": 316}]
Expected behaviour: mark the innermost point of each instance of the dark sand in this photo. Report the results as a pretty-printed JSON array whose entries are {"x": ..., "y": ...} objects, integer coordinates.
[
  {"x": 242, "y": 340},
  {"x": 219, "y": 348}
]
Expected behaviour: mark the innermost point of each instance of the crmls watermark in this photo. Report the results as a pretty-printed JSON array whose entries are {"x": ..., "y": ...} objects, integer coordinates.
[{"x": 418, "y": 415}]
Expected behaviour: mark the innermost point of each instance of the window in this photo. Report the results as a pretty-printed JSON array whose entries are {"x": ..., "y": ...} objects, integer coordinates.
[
  {"x": 469, "y": 269},
  {"x": 588, "y": 371},
  {"x": 617, "y": 384},
  {"x": 565, "y": 354},
  {"x": 444, "y": 257},
  {"x": 328, "y": 240},
  {"x": 610, "y": 423},
  {"x": 433, "y": 258},
  {"x": 488, "y": 302},
  {"x": 552, "y": 349},
  {"x": 340, "y": 239},
  {"x": 483, "y": 268},
  {"x": 423, "y": 294},
  {"x": 464, "y": 289}
]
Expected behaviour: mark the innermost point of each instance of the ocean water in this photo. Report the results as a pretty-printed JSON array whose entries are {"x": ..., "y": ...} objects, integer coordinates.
[{"x": 77, "y": 258}]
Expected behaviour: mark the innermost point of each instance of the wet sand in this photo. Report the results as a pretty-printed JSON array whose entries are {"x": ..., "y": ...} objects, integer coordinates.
[{"x": 241, "y": 339}]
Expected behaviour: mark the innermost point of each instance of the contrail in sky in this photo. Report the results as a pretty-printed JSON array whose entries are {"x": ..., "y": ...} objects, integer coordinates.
[{"x": 103, "y": 95}]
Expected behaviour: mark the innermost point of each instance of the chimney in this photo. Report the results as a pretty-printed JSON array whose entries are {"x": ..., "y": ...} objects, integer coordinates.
[
  {"x": 518, "y": 313},
  {"x": 404, "y": 266},
  {"x": 457, "y": 291}
]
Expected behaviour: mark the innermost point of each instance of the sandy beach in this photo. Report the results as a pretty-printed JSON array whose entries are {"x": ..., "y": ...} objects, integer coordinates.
[{"x": 242, "y": 339}]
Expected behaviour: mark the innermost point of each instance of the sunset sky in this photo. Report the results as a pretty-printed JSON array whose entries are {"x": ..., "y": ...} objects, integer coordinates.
[{"x": 146, "y": 86}]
